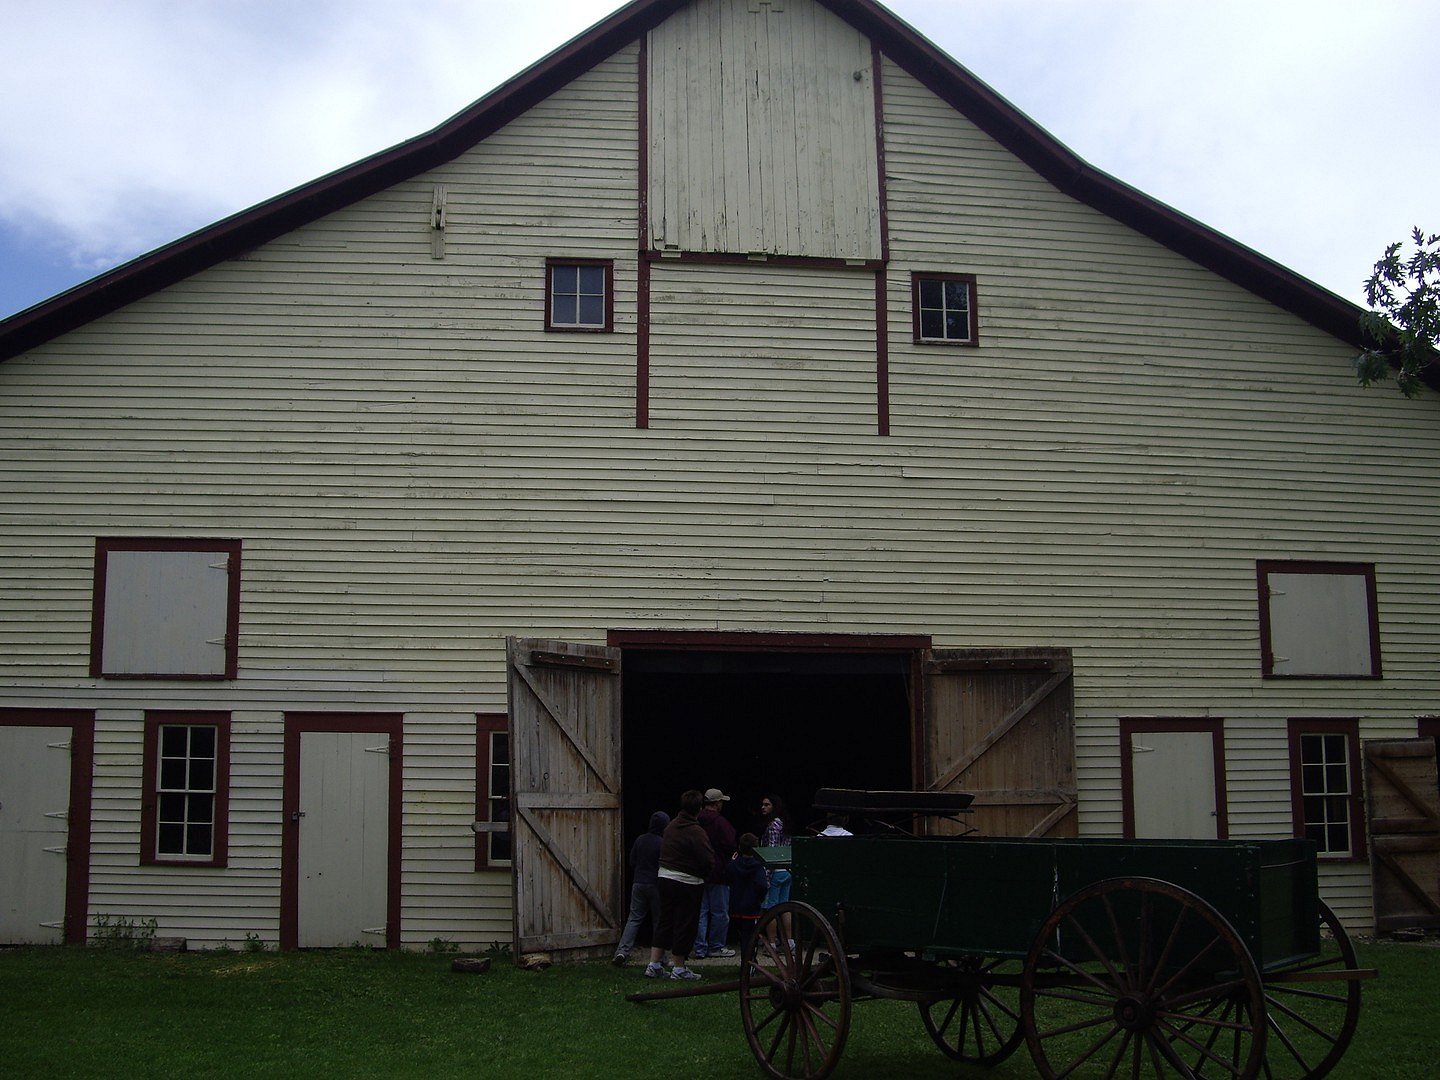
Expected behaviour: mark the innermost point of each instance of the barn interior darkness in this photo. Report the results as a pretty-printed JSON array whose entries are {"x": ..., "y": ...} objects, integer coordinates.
[{"x": 760, "y": 723}]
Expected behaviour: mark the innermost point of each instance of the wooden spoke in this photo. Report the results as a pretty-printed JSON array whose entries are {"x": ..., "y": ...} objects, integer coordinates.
[
  {"x": 1135, "y": 977},
  {"x": 795, "y": 994},
  {"x": 981, "y": 1023},
  {"x": 1311, "y": 1020}
]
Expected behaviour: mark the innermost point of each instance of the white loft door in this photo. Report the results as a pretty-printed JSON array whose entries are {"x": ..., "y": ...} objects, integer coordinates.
[
  {"x": 1174, "y": 785},
  {"x": 344, "y": 839},
  {"x": 34, "y": 827}
]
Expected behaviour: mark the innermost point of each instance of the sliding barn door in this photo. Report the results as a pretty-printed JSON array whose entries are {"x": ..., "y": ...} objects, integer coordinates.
[
  {"x": 565, "y": 776},
  {"x": 1000, "y": 723}
]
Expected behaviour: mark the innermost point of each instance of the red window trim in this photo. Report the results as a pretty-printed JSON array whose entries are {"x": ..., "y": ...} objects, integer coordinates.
[
  {"x": 485, "y": 725},
  {"x": 916, "y": 277},
  {"x": 609, "y": 267},
  {"x": 105, "y": 545},
  {"x": 1350, "y": 728},
  {"x": 1131, "y": 726},
  {"x": 150, "y": 778},
  {"x": 1265, "y": 567}
]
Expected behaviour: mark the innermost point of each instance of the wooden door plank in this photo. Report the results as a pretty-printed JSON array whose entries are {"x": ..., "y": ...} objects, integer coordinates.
[
  {"x": 1003, "y": 728},
  {"x": 566, "y": 726},
  {"x": 572, "y": 871}
]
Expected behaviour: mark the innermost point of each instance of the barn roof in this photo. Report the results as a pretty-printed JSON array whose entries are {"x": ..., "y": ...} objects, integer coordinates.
[{"x": 900, "y": 42}]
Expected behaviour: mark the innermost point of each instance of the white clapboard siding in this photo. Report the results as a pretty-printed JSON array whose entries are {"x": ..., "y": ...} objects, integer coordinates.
[
  {"x": 416, "y": 469},
  {"x": 761, "y": 128}
]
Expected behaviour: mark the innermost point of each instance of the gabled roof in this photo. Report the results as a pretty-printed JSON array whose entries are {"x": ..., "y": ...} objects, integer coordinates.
[{"x": 901, "y": 43}]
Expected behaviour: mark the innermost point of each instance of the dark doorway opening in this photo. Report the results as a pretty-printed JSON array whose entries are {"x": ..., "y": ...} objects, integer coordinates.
[{"x": 761, "y": 723}]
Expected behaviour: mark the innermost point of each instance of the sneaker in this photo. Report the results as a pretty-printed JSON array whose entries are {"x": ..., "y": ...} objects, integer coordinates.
[
  {"x": 683, "y": 973},
  {"x": 655, "y": 971},
  {"x": 619, "y": 959},
  {"x": 723, "y": 952},
  {"x": 698, "y": 955}
]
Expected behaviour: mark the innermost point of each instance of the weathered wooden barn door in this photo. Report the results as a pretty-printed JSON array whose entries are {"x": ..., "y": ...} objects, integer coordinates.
[
  {"x": 565, "y": 776},
  {"x": 1001, "y": 723},
  {"x": 1404, "y": 821},
  {"x": 34, "y": 828}
]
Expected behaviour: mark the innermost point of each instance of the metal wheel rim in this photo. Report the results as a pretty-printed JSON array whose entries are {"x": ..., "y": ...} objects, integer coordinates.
[
  {"x": 977, "y": 1026},
  {"x": 795, "y": 1004},
  {"x": 1176, "y": 994}
]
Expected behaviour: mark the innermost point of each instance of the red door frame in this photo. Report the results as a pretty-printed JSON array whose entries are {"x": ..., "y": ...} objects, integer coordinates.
[
  {"x": 1130, "y": 726},
  {"x": 81, "y": 723},
  {"x": 391, "y": 724}
]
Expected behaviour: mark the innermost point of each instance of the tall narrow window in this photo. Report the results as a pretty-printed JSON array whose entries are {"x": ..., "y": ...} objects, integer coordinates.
[
  {"x": 492, "y": 791},
  {"x": 944, "y": 309},
  {"x": 186, "y": 778},
  {"x": 1325, "y": 786},
  {"x": 578, "y": 294}
]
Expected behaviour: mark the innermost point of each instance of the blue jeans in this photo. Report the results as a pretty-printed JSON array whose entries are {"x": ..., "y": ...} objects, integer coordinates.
[
  {"x": 714, "y": 921},
  {"x": 644, "y": 900}
]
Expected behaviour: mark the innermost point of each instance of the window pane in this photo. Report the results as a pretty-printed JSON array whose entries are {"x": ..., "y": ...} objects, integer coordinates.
[
  {"x": 202, "y": 741},
  {"x": 198, "y": 839},
  {"x": 592, "y": 310},
  {"x": 172, "y": 808},
  {"x": 500, "y": 809},
  {"x": 1337, "y": 779},
  {"x": 174, "y": 741},
  {"x": 564, "y": 279},
  {"x": 566, "y": 310},
  {"x": 170, "y": 840},
  {"x": 932, "y": 324},
  {"x": 172, "y": 775},
  {"x": 500, "y": 748},
  {"x": 957, "y": 295},
  {"x": 1335, "y": 748},
  {"x": 202, "y": 775},
  {"x": 957, "y": 325},
  {"x": 592, "y": 280},
  {"x": 499, "y": 779},
  {"x": 202, "y": 808},
  {"x": 500, "y": 847},
  {"x": 1337, "y": 838},
  {"x": 932, "y": 294}
]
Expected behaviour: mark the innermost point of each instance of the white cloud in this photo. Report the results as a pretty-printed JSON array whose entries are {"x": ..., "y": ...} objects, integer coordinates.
[{"x": 1303, "y": 128}]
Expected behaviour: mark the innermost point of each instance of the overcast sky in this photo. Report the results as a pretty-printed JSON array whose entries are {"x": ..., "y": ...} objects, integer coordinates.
[{"x": 1306, "y": 129}]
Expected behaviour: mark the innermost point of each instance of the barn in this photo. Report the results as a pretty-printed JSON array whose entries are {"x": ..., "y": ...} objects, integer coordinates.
[{"x": 743, "y": 395}]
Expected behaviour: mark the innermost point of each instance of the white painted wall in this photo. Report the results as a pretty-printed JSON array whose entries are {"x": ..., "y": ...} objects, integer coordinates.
[{"x": 417, "y": 469}]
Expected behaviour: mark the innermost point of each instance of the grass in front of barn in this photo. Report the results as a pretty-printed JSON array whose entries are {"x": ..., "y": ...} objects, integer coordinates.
[{"x": 115, "y": 1013}]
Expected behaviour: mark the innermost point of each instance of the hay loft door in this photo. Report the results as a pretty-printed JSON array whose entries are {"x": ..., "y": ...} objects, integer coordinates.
[
  {"x": 565, "y": 779},
  {"x": 1001, "y": 723}
]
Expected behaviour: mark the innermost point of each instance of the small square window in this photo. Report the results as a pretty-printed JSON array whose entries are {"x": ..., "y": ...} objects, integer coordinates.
[
  {"x": 1324, "y": 794},
  {"x": 578, "y": 295},
  {"x": 1318, "y": 620},
  {"x": 185, "y": 788},
  {"x": 492, "y": 791},
  {"x": 165, "y": 609},
  {"x": 944, "y": 309}
]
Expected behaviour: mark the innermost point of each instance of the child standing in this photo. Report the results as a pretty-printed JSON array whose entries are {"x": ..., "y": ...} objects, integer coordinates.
[{"x": 745, "y": 874}]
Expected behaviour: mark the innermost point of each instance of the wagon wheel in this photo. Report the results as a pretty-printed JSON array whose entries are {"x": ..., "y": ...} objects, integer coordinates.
[
  {"x": 1311, "y": 1018},
  {"x": 1135, "y": 977},
  {"x": 795, "y": 994},
  {"x": 981, "y": 1023}
]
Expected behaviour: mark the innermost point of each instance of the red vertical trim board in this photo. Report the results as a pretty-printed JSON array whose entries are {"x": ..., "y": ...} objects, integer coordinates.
[
  {"x": 391, "y": 724},
  {"x": 642, "y": 268},
  {"x": 882, "y": 354}
]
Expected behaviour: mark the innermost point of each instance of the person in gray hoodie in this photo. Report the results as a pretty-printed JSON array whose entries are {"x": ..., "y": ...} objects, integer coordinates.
[{"x": 644, "y": 892}]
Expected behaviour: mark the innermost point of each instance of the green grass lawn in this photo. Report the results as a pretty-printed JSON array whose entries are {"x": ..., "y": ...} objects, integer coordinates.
[{"x": 68, "y": 1012}]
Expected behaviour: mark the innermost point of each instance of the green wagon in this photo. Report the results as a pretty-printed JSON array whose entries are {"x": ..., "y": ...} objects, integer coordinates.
[{"x": 1107, "y": 958}]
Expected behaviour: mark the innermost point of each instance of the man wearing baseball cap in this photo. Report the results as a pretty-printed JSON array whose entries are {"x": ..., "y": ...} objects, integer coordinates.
[{"x": 715, "y": 905}]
